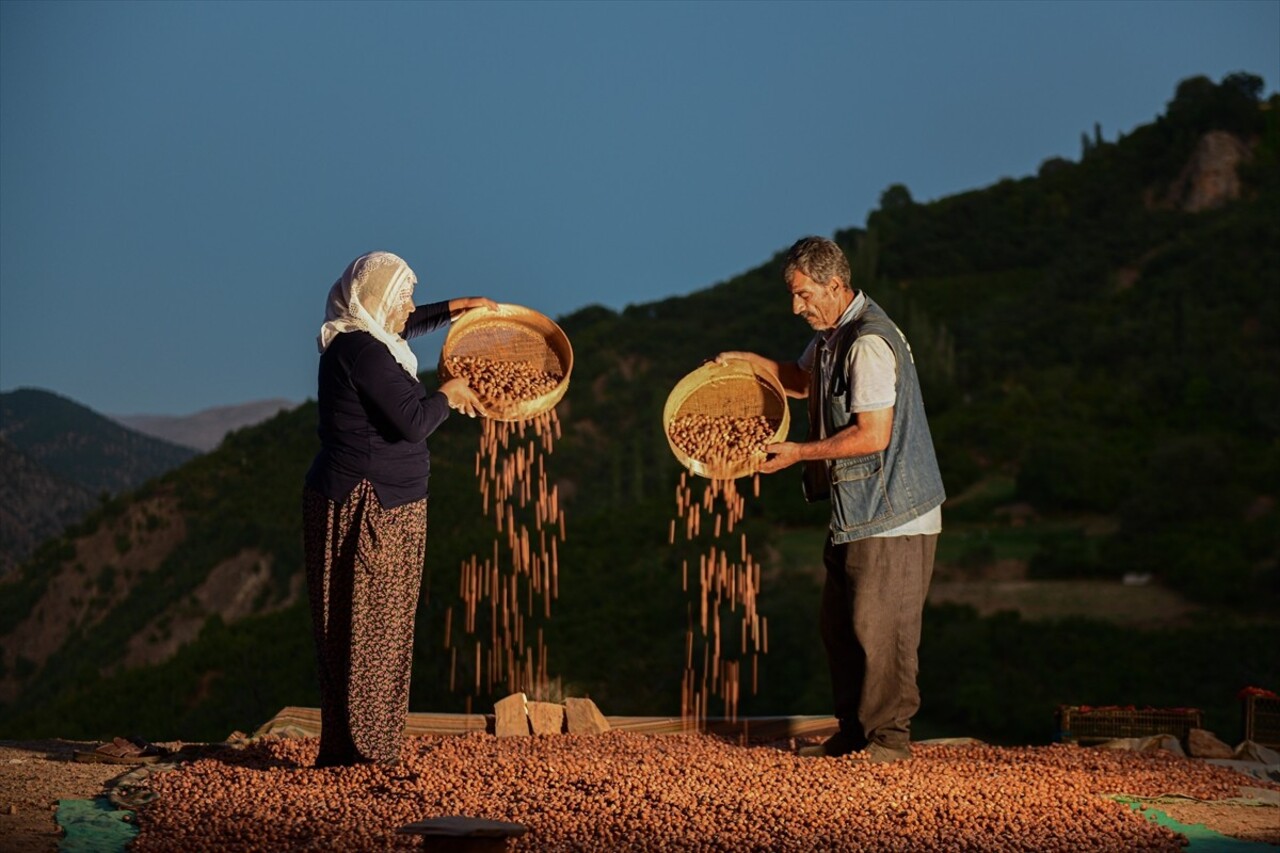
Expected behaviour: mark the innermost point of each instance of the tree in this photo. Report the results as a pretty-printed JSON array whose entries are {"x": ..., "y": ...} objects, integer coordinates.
[
  {"x": 1247, "y": 86},
  {"x": 896, "y": 197}
]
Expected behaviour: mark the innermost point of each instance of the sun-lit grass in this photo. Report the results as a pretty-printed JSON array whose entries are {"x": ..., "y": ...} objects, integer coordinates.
[
  {"x": 798, "y": 552},
  {"x": 1148, "y": 605}
]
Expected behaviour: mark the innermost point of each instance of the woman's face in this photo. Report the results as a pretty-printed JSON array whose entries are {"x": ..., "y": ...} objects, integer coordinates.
[{"x": 399, "y": 315}]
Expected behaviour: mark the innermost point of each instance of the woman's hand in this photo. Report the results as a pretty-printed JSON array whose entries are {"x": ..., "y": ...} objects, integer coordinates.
[
  {"x": 468, "y": 303},
  {"x": 461, "y": 397}
]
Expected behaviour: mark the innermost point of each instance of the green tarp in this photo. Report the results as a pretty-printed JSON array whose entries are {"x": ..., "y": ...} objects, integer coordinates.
[
  {"x": 1200, "y": 838},
  {"x": 94, "y": 826}
]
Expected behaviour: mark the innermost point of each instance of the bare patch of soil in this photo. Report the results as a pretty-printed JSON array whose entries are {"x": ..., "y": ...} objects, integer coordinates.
[
  {"x": 1259, "y": 824},
  {"x": 34, "y": 775}
]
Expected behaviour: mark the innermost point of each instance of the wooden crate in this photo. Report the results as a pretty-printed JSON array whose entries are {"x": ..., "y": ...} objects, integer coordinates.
[
  {"x": 1095, "y": 724},
  {"x": 1262, "y": 719}
]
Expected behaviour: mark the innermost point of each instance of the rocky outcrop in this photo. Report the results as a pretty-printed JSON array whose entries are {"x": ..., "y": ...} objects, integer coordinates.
[
  {"x": 234, "y": 589},
  {"x": 101, "y": 573},
  {"x": 1211, "y": 178}
]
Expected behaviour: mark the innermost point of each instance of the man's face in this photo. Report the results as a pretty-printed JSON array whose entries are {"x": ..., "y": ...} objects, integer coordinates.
[{"x": 820, "y": 304}]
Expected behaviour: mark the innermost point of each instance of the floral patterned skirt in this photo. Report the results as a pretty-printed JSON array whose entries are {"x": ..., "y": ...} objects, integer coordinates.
[{"x": 364, "y": 571}]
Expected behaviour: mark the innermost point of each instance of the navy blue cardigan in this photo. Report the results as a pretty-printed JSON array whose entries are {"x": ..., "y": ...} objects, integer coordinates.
[{"x": 375, "y": 417}]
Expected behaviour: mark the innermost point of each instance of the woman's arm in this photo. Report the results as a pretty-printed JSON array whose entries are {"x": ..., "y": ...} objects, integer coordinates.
[
  {"x": 397, "y": 395},
  {"x": 428, "y": 318}
]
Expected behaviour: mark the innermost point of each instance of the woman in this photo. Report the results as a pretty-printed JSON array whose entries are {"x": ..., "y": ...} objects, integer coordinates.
[{"x": 365, "y": 502}]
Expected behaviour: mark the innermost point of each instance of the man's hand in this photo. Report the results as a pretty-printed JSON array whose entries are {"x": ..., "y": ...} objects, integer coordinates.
[{"x": 783, "y": 454}]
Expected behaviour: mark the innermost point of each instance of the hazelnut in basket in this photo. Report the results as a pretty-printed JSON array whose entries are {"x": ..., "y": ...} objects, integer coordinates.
[
  {"x": 517, "y": 360},
  {"x": 719, "y": 418}
]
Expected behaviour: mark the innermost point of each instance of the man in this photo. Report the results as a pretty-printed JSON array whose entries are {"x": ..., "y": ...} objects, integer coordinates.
[{"x": 869, "y": 447}]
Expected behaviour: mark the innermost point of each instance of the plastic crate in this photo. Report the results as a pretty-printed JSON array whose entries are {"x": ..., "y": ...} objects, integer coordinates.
[
  {"x": 1262, "y": 720},
  {"x": 1086, "y": 724}
]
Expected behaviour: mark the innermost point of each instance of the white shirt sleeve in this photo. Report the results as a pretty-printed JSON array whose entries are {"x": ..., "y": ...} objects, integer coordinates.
[{"x": 873, "y": 371}]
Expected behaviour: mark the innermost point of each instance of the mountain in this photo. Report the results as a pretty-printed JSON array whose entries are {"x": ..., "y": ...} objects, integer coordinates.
[
  {"x": 82, "y": 446},
  {"x": 1099, "y": 346},
  {"x": 57, "y": 459},
  {"x": 34, "y": 504},
  {"x": 203, "y": 430}
]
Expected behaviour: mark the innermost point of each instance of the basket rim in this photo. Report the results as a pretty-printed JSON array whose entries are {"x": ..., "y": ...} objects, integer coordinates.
[
  {"x": 508, "y": 313},
  {"x": 728, "y": 370}
]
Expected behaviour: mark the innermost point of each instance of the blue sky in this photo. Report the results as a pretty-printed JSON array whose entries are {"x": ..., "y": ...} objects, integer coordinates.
[{"x": 181, "y": 182}]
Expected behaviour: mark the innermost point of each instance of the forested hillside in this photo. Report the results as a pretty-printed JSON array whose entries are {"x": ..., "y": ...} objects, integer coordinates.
[
  {"x": 1114, "y": 324},
  {"x": 1098, "y": 347}
]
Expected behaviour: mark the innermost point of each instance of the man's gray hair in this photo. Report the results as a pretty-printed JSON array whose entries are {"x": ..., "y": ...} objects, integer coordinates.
[{"x": 819, "y": 258}]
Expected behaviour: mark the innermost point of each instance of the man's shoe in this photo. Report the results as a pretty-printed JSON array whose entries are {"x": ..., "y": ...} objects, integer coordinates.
[
  {"x": 835, "y": 746},
  {"x": 878, "y": 753}
]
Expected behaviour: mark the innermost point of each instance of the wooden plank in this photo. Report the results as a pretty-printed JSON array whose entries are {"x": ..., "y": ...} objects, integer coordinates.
[{"x": 307, "y": 721}]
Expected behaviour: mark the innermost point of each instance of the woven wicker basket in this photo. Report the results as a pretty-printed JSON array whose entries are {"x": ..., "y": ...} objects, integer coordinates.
[
  {"x": 516, "y": 334},
  {"x": 735, "y": 389}
]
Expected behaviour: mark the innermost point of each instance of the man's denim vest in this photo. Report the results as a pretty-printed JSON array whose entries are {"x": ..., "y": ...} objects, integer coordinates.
[{"x": 880, "y": 491}]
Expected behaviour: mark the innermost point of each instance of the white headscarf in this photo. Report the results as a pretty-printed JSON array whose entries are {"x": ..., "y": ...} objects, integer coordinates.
[{"x": 372, "y": 286}]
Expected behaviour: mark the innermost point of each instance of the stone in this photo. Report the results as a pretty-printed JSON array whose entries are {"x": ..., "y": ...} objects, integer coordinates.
[
  {"x": 1147, "y": 743},
  {"x": 584, "y": 718},
  {"x": 1250, "y": 751},
  {"x": 546, "y": 718},
  {"x": 511, "y": 716},
  {"x": 1204, "y": 744}
]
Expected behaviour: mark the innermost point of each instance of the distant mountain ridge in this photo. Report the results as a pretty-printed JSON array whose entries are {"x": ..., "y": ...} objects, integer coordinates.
[
  {"x": 205, "y": 429},
  {"x": 57, "y": 458},
  {"x": 82, "y": 446}
]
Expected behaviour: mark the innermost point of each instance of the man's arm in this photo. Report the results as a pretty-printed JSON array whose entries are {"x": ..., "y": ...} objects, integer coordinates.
[
  {"x": 793, "y": 378},
  {"x": 869, "y": 433}
]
